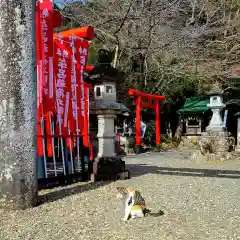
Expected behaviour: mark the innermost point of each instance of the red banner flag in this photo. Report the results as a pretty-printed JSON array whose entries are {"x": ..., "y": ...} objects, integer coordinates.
[
  {"x": 86, "y": 118},
  {"x": 46, "y": 23},
  {"x": 40, "y": 152},
  {"x": 73, "y": 116},
  {"x": 62, "y": 74},
  {"x": 39, "y": 56},
  {"x": 81, "y": 57},
  {"x": 48, "y": 127}
]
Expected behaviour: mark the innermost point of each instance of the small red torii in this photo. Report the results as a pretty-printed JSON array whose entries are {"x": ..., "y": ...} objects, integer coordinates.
[{"x": 145, "y": 100}]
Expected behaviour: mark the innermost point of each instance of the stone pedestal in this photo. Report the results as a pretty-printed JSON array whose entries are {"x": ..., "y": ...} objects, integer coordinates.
[
  {"x": 215, "y": 142},
  {"x": 106, "y": 135},
  {"x": 107, "y": 166}
]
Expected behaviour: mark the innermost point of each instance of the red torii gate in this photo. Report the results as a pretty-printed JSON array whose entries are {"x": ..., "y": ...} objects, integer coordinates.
[{"x": 150, "y": 101}]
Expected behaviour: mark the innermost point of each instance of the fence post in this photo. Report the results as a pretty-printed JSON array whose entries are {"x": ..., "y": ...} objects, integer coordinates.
[{"x": 18, "y": 169}]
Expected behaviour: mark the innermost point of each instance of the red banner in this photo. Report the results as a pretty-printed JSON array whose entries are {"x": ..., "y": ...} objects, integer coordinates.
[
  {"x": 46, "y": 23},
  {"x": 86, "y": 117},
  {"x": 73, "y": 116},
  {"x": 39, "y": 82},
  {"x": 70, "y": 89},
  {"x": 38, "y": 55},
  {"x": 62, "y": 73},
  {"x": 81, "y": 57},
  {"x": 48, "y": 126}
]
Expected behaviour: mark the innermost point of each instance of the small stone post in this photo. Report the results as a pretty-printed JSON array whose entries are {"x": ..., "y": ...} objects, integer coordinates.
[{"x": 18, "y": 173}]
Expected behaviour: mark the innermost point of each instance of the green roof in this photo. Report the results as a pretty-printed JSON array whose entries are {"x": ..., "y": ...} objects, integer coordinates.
[{"x": 194, "y": 105}]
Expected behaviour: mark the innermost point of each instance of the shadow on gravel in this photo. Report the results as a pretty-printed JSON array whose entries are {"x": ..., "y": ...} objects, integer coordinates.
[
  {"x": 141, "y": 169},
  {"x": 59, "y": 193}
]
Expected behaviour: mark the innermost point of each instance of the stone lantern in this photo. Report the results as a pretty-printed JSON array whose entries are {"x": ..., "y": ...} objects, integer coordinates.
[
  {"x": 216, "y": 105},
  {"x": 107, "y": 165},
  {"x": 106, "y": 109},
  {"x": 215, "y": 142}
]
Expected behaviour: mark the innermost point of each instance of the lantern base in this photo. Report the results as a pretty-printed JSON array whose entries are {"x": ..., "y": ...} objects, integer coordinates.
[{"x": 109, "y": 168}]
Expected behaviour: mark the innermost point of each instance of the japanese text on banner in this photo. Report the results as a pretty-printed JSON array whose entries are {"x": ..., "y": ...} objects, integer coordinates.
[
  {"x": 82, "y": 53},
  {"x": 46, "y": 22},
  {"x": 74, "y": 125},
  {"x": 62, "y": 63}
]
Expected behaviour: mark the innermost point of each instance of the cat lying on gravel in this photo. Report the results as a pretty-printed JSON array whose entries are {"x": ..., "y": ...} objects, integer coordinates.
[{"x": 134, "y": 203}]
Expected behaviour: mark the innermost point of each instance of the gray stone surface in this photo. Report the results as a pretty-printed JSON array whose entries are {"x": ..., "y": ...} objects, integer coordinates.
[
  {"x": 106, "y": 135},
  {"x": 216, "y": 105},
  {"x": 18, "y": 188},
  {"x": 200, "y": 201},
  {"x": 216, "y": 142}
]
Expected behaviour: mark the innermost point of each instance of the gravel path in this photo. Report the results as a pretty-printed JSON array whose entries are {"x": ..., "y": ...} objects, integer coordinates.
[{"x": 200, "y": 201}]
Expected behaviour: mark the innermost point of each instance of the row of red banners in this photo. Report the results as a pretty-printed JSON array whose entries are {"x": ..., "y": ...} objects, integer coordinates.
[{"x": 62, "y": 93}]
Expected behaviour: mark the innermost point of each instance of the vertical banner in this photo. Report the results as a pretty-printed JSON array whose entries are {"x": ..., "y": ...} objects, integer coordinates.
[
  {"x": 39, "y": 81},
  {"x": 73, "y": 116},
  {"x": 46, "y": 23},
  {"x": 86, "y": 139},
  {"x": 81, "y": 57},
  {"x": 38, "y": 56},
  {"x": 48, "y": 121},
  {"x": 62, "y": 74}
]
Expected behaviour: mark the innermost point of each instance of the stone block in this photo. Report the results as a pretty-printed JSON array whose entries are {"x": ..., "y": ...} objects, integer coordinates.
[
  {"x": 107, "y": 168},
  {"x": 124, "y": 175}
]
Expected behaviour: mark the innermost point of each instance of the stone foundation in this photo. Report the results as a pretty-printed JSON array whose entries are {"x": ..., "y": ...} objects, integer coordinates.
[
  {"x": 214, "y": 146},
  {"x": 109, "y": 168},
  {"x": 216, "y": 142}
]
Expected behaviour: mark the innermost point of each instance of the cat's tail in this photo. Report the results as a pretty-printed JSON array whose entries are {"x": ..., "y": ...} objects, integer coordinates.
[{"x": 149, "y": 212}]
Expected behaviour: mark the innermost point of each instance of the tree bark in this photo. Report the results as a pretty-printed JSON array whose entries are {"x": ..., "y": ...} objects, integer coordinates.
[{"x": 18, "y": 173}]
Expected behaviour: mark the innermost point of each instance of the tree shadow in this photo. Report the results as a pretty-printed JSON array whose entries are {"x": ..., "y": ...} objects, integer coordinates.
[
  {"x": 63, "y": 192},
  {"x": 141, "y": 169}
]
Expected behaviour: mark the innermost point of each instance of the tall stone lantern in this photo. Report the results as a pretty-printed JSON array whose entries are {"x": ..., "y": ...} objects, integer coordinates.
[
  {"x": 215, "y": 142},
  {"x": 106, "y": 165},
  {"x": 216, "y": 105}
]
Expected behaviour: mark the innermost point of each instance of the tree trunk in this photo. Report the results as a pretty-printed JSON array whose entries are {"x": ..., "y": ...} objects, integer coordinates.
[{"x": 18, "y": 173}]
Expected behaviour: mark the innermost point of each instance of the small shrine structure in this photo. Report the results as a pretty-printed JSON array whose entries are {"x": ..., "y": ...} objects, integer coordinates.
[{"x": 194, "y": 116}]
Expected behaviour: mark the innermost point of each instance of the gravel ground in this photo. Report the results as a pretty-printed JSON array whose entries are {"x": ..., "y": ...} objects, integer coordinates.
[{"x": 199, "y": 200}]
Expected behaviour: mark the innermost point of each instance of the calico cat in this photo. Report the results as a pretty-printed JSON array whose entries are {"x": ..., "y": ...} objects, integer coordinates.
[{"x": 134, "y": 204}]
